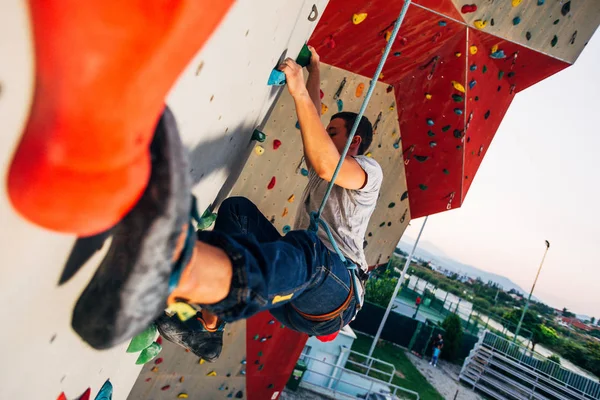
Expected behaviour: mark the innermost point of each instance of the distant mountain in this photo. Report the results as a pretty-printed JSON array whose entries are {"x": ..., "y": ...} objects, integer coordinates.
[{"x": 427, "y": 251}]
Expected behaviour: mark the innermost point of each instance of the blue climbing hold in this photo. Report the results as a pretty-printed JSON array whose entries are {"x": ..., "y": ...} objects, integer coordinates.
[
  {"x": 106, "y": 391},
  {"x": 397, "y": 54},
  {"x": 497, "y": 55},
  {"x": 430, "y": 122},
  {"x": 473, "y": 67},
  {"x": 297, "y": 124},
  {"x": 277, "y": 78},
  {"x": 458, "y": 111},
  {"x": 287, "y": 228},
  {"x": 304, "y": 172},
  {"x": 396, "y": 145},
  {"x": 442, "y": 23},
  {"x": 472, "y": 84},
  {"x": 541, "y": 2},
  {"x": 340, "y": 105},
  {"x": 516, "y": 20}
]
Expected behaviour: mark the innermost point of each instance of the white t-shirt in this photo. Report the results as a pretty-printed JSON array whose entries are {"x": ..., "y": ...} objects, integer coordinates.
[{"x": 347, "y": 212}]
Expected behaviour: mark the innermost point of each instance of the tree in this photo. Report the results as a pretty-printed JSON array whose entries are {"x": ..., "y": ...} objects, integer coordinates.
[
  {"x": 481, "y": 304},
  {"x": 593, "y": 320},
  {"x": 554, "y": 358},
  {"x": 544, "y": 335},
  {"x": 380, "y": 290},
  {"x": 568, "y": 314},
  {"x": 453, "y": 337}
]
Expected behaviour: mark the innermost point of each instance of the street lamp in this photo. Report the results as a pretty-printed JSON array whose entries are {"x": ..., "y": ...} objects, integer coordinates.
[{"x": 531, "y": 292}]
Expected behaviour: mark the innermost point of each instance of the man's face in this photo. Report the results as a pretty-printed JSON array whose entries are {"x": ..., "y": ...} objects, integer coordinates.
[
  {"x": 339, "y": 135},
  {"x": 439, "y": 336}
]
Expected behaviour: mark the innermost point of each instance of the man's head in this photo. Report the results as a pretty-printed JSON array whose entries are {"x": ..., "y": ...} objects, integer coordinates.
[
  {"x": 339, "y": 128},
  {"x": 439, "y": 335}
]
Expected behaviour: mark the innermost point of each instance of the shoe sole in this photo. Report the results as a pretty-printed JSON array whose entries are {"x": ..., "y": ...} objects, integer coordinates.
[
  {"x": 177, "y": 332},
  {"x": 130, "y": 288}
]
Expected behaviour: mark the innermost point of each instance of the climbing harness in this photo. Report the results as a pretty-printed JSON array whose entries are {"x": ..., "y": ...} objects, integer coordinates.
[{"x": 315, "y": 216}]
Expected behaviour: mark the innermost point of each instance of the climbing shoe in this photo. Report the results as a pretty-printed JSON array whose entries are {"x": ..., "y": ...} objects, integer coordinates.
[
  {"x": 193, "y": 335},
  {"x": 130, "y": 288}
]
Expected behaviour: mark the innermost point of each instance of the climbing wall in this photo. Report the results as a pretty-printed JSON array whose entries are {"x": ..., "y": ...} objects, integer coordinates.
[
  {"x": 453, "y": 82},
  {"x": 275, "y": 177},
  {"x": 219, "y": 99}
]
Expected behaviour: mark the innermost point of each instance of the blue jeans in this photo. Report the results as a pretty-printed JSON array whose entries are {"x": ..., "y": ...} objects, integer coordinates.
[{"x": 281, "y": 274}]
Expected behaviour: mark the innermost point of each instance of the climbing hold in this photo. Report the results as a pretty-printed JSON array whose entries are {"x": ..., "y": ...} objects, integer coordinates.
[
  {"x": 487, "y": 114},
  {"x": 142, "y": 340},
  {"x": 468, "y": 8},
  {"x": 422, "y": 187},
  {"x": 272, "y": 322},
  {"x": 388, "y": 36},
  {"x": 201, "y": 361},
  {"x": 392, "y": 106},
  {"x": 472, "y": 84},
  {"x": 498, "y": 55},
  {"x": 516, "y": 2},
  {"x": 458, "y": 86},
  {"x": 321, "y": 94},
  {"x": 404, "y": 196},
  {"x": 389, "y": 88},
  {"x": 566, "y": 8},
  {"x": 304, "y": 56},
  {"x": 291, "y": 199},
  {"x": 106, "y": 391},
  {"x": 556, "y": 21},
  {"x": 494, "y": 48},
  {"x": 528, "y": 35},
  {"x": 369, "y": 154},
  {"x": 148, "y": 353},
  {"x": 340, "y": 105},
  {"x": 392, "y": 205},
  {"x": 271, "y": 184},
  {"x": 428, "y": 96},
  {"x": 511, "y": 74},
  {"x": 285, "y": 212},
  {"x": 476, "y": 98},
  {"x": 258, "y": 136},
  {"x": 285, "y": 229},
  {"x": 473, "y": 50},
  {"x": 458, "y": 54},
  {"x": 212, "y": 373},
  {"x": 458, "y": 111},
  {"x": 442, "y": 23},
  {"x": 181, "y": 380},
  {"x": 158, "y": 360},
  {"x": 389, "y": 224},
  {"x": 154, "y": 369},
  {"x": 297, "y": 125},
  {"x": 382, "y": 224},
  {"x": 446, "y": 128},
  {"x": 276, "y": 144},
  {"x": 222, "y": 387},
  {"x": 500, "y": 74},
  {"x": 259, "y": 150},
  {"x": 516, "y": 20},
  {"x": 573, "y": 37},
  {"x": 396, "y": 145},
  {"x": 159, "y": 340},
  {"x": 541, "y": 2},
  {"x": 484, "y": 70},
  {"x": 329, "y": 42},
  {"x": 397, "y": 54},
  {"x": 240, "y": 394},
  {"x": 458, "y": 133},
  {"x": 432, "y": 144},
  {"x": 430, "y": 133},
  {"x": 499, "y": 88},
  {"x": 421, "y": 158},
  {"x": 276, "y": 78},
  {"x": 480, "y": 24},
  {"x": 166, "y": 387},
  {"x": 473, "y": 67},
  {"x": 358, "y": 18},
  {"x": 182, "y": 395},
  {"x": 304, "y": 172},
  {"x": 445, "y": 171},
  {"x": 554, "y": 41},
  {"x": 430, "y": 122},
  {"x": 324, "y": 108},
  {"x": 492, "y": 23},
  {"x": 457, "y": 98},
  {"x": 359, "y": 89}
]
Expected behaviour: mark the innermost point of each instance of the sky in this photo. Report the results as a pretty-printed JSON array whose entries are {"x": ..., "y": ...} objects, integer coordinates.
[{"x": 539, "y": 180}]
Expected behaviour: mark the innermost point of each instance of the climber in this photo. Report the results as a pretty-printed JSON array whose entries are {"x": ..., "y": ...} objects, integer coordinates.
[{"x": 245, "y": 266}]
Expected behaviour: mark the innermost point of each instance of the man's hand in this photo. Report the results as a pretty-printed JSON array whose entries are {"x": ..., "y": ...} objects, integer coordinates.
[
  {"x": 315, "y": 61},
  {"x": 294, "y": 77}
]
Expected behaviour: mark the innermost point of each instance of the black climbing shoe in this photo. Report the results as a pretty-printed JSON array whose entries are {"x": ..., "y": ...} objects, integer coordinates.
[
  {"x": 193, "y": 335},
  {"x": 130, "y": 288}
]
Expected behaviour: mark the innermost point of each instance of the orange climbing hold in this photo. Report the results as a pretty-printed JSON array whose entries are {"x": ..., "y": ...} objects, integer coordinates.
[
  {"x": 80, "y": 166},
  {"x": 473, "y": 50},
  {"x": 285, "y": 212},
  {"x": 388, "y": 35},
  {"x": 360, "y": 89},
  {"x": 428, "y": 96},
  {"x": 291, "y": 199},
  {"x": 358, "y": 18},
  {"x": 324, "y": 108}
]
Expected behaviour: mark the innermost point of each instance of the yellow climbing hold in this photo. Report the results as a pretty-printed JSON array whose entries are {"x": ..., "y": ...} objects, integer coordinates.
[
  {"x": 473, "y": 50},
  {"x": 182, "y": 396},
  {"x": 212, "y": 373},
  {"x": 458, "y": 86},
  {"x": 388, "y": 35},
  {"x": 154, "y": 369},
  {"x": 480, "y": 24},
  {"x": 183, "y": 310},
  {"x": 285, "y": 212},
  {"x": 393, "y": 107},
  {"x": 358, "y": 18},
  {"x": 428, "y": 96},
  {"x": 516, "y": 2},
  {"x": 494, "y": 49},
  {"x": 201, "y": 361},
  {"x": 458, "y": 54},
  {"x": 369, "y": 154},
  {"x": 291, "y": 199},
  {"x": 259, "y": 150},
  {"x": 324, "y": 108}
]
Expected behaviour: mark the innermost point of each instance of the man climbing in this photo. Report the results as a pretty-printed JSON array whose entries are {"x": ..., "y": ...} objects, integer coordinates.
[{"x": 245, "y": 266}]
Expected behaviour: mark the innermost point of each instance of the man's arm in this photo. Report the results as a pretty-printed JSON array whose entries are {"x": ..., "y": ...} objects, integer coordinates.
[
  {"x": 313, "y": 84},
  {"x": 319, "y": 150}
]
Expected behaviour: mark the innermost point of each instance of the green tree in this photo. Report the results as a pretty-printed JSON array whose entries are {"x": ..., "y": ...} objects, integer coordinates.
[
  {"x": 554, "y": 358},
  {"x": 567, "y": 313},
  {"x": 453, "y": 337},
  {"x": 481, "y": 304},
  {"x": 380, "y": 290},
  {"x": 593, "y": 320},
  {"x": 544, "y": 335}
]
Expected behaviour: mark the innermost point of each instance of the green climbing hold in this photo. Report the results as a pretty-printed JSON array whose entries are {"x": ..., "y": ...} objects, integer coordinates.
[
  {"x": 260, "y": 353},
  {"x": 516, "y": 20},
  {"x": 430, "y": 133},
  {"x": 476, "y": 98},
  {"x": 442, "y": 23},
  {"x": 382, "y": 224},
  {"x": 256, "y": 337},
  {"x": 392, "y": 205},
  {"x": 258, "y": 136},
  {"x": 304, "y": 56},
  {"x": 446, "y": 128},
  {"x": 457, "y": 98},
  {"x": 484, "y": 70},
  {"x": 556, "y": 21},
  {"x": 554, "y": 41},
  {"x": 142, "y": 340},
  {"x": 207, "y": 219},
  {"x": 422, "y": 187},
  {"x": 445, "y": 171},
  {"x": 148, "y": 353},
  {"x": 500, "y": 74},
  {"x": 528, "y": 35}
]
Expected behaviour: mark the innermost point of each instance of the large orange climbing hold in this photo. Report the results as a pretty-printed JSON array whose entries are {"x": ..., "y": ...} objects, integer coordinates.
[
  {"x": 360, "y": 89},
  {"x": 103, "y": 69}
]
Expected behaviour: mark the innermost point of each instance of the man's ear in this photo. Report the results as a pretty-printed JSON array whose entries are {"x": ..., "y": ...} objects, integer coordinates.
[{"x": 356, "y": 141}]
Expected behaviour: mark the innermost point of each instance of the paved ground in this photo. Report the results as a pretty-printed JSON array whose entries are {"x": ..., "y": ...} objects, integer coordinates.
[
  {"x": 444, "y": 378},
  {"x": 302, "y": 394}
]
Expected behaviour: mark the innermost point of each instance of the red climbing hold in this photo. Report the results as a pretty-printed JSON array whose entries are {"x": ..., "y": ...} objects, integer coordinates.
[
  {"x": 148, "y": 379},
  {"x": 166, "y": 387},
  {"x": 271, "y": 183},
  {"x": 276, "y": 144},
  {"x": 62, "y": 396},
  {"x": 321, "y": 94},
  {"x": 468, "y": 8},
  {"x": 85, "y": 395},
  {"x": 159, "y": 340},
  {"x": 329, "y": 42},
  {"x": 158, "y": 360}
]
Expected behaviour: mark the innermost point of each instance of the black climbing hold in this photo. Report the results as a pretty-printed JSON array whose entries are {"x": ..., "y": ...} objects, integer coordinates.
[
  {"x": 473, "y": 67},
  {"x": 492, "y": 22},
  {"x": 511, "y": 74},
  {"x": 446, "y": 128},
  {"x": 421, "y": 158},
  {"x": 487, "y": 114},
  {"x": 271, "y": 386},
  {"x": 528, "y": 35},
  {"x": 239, "y": 395},
  {"x": 484, "y": 70},
  {"x": 392, "y": 205},
  {"x": 370, "y": 234},
  {"x": 458, "y": 147},
  {"x": 389, "y": 88},
  {"x": 382, "y": 224},
  {"x": 469, "y": 139},
  {"x": 499, "y": 88},
  {"x": 457, "y": 98},
  {"x": 556, "y": 21},
  {"x": 566, "y": 8},
  {"x": 445, "y": 171},
  {"x": 430, "y": 133},
  {"x": 397, "y": 54},
  {"x": 404, "y": 196},
  {"x": 389, "y": 224},
  {"x": 573, "y": 37},
  {"x": 458, "y": 134},
  {"x": 422, "y": 187},
  {"x": 554, "y": 41},
  {"x": 476, "y": 98},
  {"x": 432, "y": 144}
]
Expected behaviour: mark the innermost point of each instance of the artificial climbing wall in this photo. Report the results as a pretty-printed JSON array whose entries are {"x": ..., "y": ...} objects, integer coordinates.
[
  {"x": 218, "y": 101},
  {"x": 275, "y": 175}
]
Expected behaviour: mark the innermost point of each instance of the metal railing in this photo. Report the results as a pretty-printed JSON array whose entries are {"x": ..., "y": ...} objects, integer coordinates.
[{"x": 342, "y": 378}]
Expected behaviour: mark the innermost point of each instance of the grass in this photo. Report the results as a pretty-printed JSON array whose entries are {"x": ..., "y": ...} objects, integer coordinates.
[{"x": 412, "y": 379}]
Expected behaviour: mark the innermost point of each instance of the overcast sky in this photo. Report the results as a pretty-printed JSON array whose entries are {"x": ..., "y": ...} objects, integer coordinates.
[{"x": 539, "y": 180}]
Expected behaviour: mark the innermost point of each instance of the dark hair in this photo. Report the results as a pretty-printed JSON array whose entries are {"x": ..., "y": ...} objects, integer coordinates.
[{"x": 365, "y": 129}]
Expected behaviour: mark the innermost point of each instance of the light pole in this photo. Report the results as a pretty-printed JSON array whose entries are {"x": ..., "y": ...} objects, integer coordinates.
[
  {"x": 400, "y": 280},
  {"x": 531, "y": 292}
]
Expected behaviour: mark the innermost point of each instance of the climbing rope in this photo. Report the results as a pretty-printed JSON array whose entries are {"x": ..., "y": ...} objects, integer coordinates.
[{"x": 315, "y": 216}]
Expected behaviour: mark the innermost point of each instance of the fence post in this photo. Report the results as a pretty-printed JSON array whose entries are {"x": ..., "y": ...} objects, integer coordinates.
[{"x": 414, "y": 336}]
